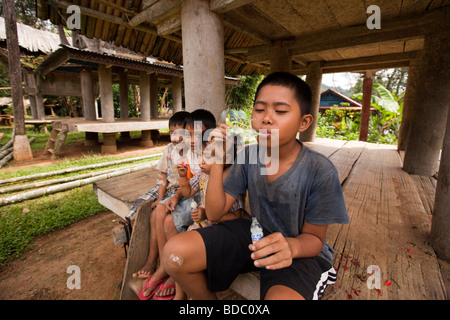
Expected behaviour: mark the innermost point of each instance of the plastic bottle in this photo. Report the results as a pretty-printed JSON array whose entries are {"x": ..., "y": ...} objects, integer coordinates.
[
  {"x": 256, "y": 230},
  {"x": 194, "y": 205}
]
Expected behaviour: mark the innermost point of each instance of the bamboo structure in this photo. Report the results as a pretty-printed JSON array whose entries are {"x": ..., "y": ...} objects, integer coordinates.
[
  {"x": 71, "y": 185},
  {"x": 63, "y": 171}
]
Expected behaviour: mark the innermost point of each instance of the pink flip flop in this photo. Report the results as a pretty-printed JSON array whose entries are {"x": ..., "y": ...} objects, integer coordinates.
[
  {"x": 157, "y": 285},
  {"x": 168, "y": 297}
]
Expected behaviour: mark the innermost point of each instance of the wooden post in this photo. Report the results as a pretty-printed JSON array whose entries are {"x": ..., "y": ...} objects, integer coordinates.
[
  {"x": 154, "y": 112},
  {"x": 87, "y": 94},
  {"x": 410, "y": 100},
  {"x": 365, "y": 110},
  {"x": 432, "y": 100},
  {"x": 123, "y": 87},
  {"x": 280, "y": 60},
  {"x": 314, "y": 80},
  {"x": 177, "y": 95},
  {"x": 21, "y": 146},
  {"x": 203, "y": 57},
  {"x": 89, "y": 105},
  {"x": 440, "y": 235},
  {"x": 145, "y": 96},
  {"x": 106, "y": 93}
]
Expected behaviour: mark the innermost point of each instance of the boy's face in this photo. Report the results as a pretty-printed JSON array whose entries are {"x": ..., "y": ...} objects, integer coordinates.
[
  {"x": 195, "y": 137},
  {"x": 276, "y": 114},
  {"x": 176, "y": 134}
]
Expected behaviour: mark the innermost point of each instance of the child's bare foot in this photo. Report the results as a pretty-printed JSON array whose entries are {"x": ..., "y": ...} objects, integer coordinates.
[
  {"x": 156, "y": 280},
  {"x": 166, "y": 290},
  {"x": 146, "y": 271}
]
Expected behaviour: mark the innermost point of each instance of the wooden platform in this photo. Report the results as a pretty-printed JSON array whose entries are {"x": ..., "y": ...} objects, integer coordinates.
[
  {"x": 390, "y": 220},
  {"x": 133, "y": 124},
  {"x": 389, "y": 226}
]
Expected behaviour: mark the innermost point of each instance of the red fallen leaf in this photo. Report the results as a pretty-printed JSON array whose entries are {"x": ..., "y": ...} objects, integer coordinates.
[
  {"x": 379, "y": 292},
  {"x": 349, "y": 295},
  {"x": 356, "y": 291},
  {"x": 410, "y": 251},
  {"x": 345, "y": 267},
  {"x": 388, "y": 283}
]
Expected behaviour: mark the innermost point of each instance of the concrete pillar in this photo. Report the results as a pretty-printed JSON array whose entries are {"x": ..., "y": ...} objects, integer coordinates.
[
  {"x": 106, "y": 93},
  {"x": 365, "y": 110},
  {"x": 440, "y": 235},
  {"x": 109, "y": 143},
  {"x": 410, "y": 100},
  {"x": 154, "y": 112},
  {"x": 87, "y": 94},
  {"x": 280, "y": 60},
  {"x": 432, "y": 100},
  {"x": 203, "y": 57},
  {"x": 177, "y": 95},
  {"x": 144, "y": 83},
  {"x": 314, "y": 80}
]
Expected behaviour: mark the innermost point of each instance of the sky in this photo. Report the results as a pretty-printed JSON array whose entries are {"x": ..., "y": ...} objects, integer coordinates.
[{"x": 344, "y": 80}]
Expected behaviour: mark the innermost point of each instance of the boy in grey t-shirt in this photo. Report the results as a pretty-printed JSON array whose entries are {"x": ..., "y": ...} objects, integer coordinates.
[{"x": 295, "y": 196}]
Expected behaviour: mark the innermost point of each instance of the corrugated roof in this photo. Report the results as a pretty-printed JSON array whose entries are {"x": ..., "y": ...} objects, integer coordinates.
[{"x": 32, "y": 39}]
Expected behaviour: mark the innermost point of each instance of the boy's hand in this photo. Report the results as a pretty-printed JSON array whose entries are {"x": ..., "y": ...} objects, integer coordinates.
[
  {"x": 272, "y": 252},
  {"x": 171, "y": 203},
  {"x": 198, "y": 214}
]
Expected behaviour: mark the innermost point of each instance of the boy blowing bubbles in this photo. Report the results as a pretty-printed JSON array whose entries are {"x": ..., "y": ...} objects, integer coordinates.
[{"x": 294, "y": 204}]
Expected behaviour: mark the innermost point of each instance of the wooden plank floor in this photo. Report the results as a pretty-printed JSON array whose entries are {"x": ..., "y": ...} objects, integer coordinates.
[{"x": 390, "y": 221}]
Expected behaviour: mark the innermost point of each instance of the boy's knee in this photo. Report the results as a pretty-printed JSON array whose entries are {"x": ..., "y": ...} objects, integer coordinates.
[{"x": 173, "y": 257}]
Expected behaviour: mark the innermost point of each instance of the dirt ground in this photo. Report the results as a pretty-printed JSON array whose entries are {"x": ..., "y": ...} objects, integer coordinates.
[{"x": 42, "y": 272}]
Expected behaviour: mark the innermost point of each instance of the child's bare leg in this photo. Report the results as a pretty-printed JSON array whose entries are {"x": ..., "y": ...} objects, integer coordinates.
[
  {"x": 160, "y": 213},
  {"x": 150, "y": 264},
  {"x": 279, "y": 292},
  {"x": 170, "y": 230},
  {"x": 184, "y": 258}
]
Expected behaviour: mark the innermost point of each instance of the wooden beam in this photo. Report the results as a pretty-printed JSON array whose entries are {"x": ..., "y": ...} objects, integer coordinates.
[
  {"x": 114, "y": 19},
  {"x": 348, "y": 37},
  {"x": 221, "y": 6},
  {"x": 154, "y": 11}
]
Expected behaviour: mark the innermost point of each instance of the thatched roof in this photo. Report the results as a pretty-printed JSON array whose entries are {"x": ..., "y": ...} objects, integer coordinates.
[
  {"x": 333, "y": 31},
  {"x": 32, "y": 39}
]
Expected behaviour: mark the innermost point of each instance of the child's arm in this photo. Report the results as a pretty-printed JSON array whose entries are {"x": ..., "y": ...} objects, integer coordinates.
[
  {"x": 162, "y": 188},
  {"x": 185, "y": 186},
  {"x": 276, "y": 251},
  {"x": 221, "y": 201}
]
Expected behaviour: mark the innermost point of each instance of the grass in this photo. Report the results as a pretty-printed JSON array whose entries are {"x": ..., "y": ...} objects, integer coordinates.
[{"x": 20, "y": 223}]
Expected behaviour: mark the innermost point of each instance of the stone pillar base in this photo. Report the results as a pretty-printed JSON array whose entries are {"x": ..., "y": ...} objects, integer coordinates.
[
  {"x": 146, "y": 139},
  {"x": 21, "y": 148},
  {"x": 91, "y": 139},
  {"x": 109, "y": 143}
]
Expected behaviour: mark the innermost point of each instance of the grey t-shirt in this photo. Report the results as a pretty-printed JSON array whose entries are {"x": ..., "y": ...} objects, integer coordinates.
[{"x": 309, "y": 191}]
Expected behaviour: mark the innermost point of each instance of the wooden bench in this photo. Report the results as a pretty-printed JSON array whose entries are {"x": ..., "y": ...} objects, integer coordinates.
[{"x": 118, "y": 194}]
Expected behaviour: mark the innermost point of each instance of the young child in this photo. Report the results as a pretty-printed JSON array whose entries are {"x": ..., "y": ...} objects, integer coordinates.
[
  {"x": 199, "y": 183},
  {"x": 166, "y": 186},
  {"x": 294, "y": 204},
  {"x": 168, "y": 181},
  {"x": 158, "y": 285}
]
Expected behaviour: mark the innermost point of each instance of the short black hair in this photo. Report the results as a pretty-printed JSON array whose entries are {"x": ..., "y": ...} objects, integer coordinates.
[
  {"x": 205, "y": 116},
  {"x": 302, "y": 92},
  {"x": 178, "y": 118}
]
